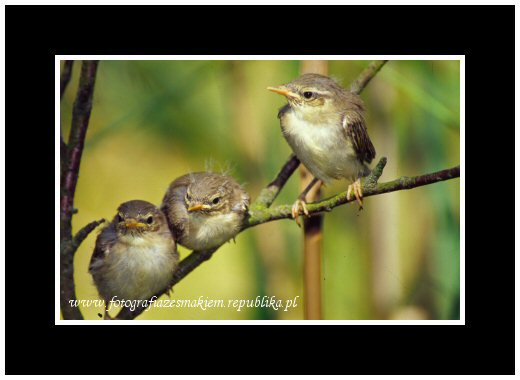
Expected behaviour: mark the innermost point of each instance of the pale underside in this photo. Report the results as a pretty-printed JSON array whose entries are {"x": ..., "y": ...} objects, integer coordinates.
[
  {"x": 322, "y": 148},
  {"x": 207, "y": 231},
  {"x": 136, "y": 267}
]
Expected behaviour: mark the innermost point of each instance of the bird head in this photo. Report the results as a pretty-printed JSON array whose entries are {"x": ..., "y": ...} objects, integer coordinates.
[
  {"x": 214, "y": 194},
  {"x": 138, "y": 217},
  {"x": 317, "y": 98}
]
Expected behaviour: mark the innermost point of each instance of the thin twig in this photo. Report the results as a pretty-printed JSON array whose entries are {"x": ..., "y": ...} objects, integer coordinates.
[
  {"x": 65, "y": 76},
  {"x": 66, "y": 72},
  {"x": 402, "y": 183},
  {"x": 362, "y": 80},
  {"x": 187, "y": 265},
  {"x": 271, "y": 191},
  {"x": 85, "y": 231}
]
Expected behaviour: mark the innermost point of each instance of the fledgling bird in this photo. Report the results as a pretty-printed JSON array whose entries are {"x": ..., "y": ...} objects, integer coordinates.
[
  {"x": 135, "y": 255},
  {"x": 325, "y": 127},
  {"x": 204, "y": 210}
]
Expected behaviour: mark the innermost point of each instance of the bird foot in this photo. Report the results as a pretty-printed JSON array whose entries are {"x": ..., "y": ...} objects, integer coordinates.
[
  {"x": 355, "y": 188},
  {"x": 299, "y": 204}
]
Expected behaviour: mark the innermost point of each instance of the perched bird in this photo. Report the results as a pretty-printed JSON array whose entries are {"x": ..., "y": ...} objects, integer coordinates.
[
  {"x": 204, "y": 210},
  {"x": 135, "y": 255},
  {"x": 325, "y": 127}
]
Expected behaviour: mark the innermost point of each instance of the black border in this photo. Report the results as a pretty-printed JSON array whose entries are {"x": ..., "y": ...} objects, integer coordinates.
[{"x": 485, "y": 34}]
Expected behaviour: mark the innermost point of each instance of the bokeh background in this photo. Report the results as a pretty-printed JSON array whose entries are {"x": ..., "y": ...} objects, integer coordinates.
[{"x": 399, "y": 258}]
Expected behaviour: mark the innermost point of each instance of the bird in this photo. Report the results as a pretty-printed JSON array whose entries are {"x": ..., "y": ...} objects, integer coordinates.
[
  {"x": 205, "y": 209},
  {"x": 135, "y": 254},
  {"x": 324, "y": 125}
]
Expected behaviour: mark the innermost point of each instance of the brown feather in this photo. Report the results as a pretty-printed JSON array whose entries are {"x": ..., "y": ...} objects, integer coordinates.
[{"x": 356, "y": 130}]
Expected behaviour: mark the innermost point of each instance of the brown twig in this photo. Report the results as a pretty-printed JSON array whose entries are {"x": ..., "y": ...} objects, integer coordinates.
[
  {"x": 271, "y": 191},
  {"x": 80, "y": 119},
  {"x": 85, "y": 231},
  {"x": 70, "y": 161},
  {"x": 362, "y": 80},
  {"x": 66, "y": 72},
  {"x": 370, "y": 188}
]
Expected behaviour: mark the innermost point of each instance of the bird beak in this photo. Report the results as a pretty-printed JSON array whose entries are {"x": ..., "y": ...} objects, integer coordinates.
[
  {"x": 282, "y": 90},
  {"x": 133, "y": 224},
  {"x": 198, "y": 207}
]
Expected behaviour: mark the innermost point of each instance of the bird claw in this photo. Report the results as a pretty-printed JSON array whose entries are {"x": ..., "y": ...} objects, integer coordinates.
[
  {"x": 300, "y": 203},
  {"x": 358, "y": 193}
]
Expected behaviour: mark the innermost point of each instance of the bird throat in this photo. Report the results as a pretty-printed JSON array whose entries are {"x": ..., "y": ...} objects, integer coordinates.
[{"x": 207, "y": 231}]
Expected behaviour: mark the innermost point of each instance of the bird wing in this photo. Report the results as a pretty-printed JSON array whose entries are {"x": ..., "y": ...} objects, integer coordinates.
[
  {"x": 355, "y": 128},
  {"x": 104, "y": 242},
  {"x": 96, "y": 259},
  {"x": 173, "y": 204}
]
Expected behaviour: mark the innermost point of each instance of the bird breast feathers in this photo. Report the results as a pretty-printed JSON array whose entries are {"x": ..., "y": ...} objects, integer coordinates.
[
  {"x": 316, "y": 137},
  {"x": 145, "y": 246},
  {"x": 213, "y": 228}
]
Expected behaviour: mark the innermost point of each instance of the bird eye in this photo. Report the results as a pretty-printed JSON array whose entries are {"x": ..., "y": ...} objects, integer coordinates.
[
  {"x": 307, "y": 94},
  {"x": 119, "y": 218},
  {"x": 149, "y": 220},
  {"x": 216, "y": 200}
]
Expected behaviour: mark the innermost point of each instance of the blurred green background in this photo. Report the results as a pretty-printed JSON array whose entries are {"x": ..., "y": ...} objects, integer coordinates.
[{"x": 153, "y": 121}]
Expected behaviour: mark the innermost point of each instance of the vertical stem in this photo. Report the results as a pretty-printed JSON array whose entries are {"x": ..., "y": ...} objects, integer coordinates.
[
  {"x": 385, "y": 276},
  {"x": 312, "y": 237},
  {"x": 70, "y": 163},
  {"x": 66, "y": 72},
  {"x": 312, "y": 227}
]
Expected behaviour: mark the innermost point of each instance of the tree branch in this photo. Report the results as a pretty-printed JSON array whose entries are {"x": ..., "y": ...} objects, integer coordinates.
[
  {"x": 69, "y": 161},
  {"x": 85, "y": 231},
  {"x": 64, "y": 81},
  {"x": 269, "y": 193},
  {"x": 362, "y": 80},
  {"x": 65, "y": 76},
  {"x": 80, "y": 119},
  {"x": 370, "y": 188}
]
